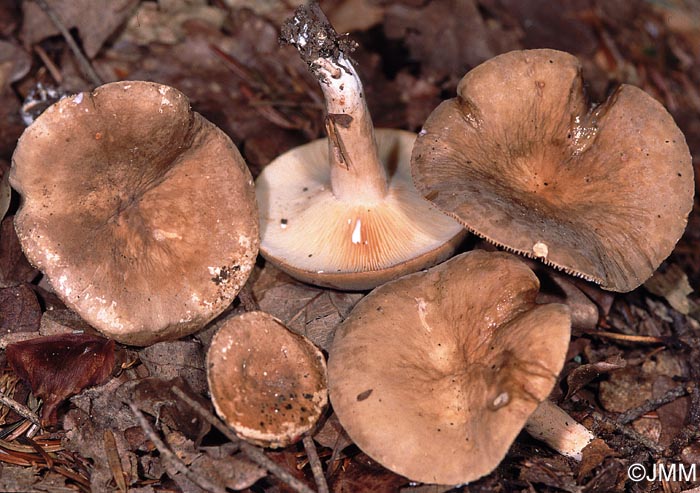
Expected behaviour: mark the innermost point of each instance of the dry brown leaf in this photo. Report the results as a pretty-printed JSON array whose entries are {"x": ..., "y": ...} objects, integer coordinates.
[
  {"x": 447, "y": 37},
  {"x": 332, "y": 435},
  {"x": 14, "y": 64},
  {"x": 593, "y": 455},
  {"x": 64, "y": 321},
  {"x": 672, "y": 415},
  {"x": 221, "y": 465},
  {"x": 555, "y": 472},
  {"x": 19, "y": 310},
  {"x": 562, "y": 28},
  {"x": 155, "y": 397},
  {"x": 354, "y": 15},
  {"x": 364, "y": 474},
  {"x": 274, "y": 10},
  {"x": 168, "y": 360},
  {"x": 625, "y": 389},
  {"x": 97, "y": 410},
  {"x": 14, "y": 267},
  {"x": 32, "y": 479},
  {"x": 584, "y": 374},
  {"x": 672, "y": 284},
  {"x": 96, "y": 20},
  {"x": 57, "y": 367},
  {"x": 163, "y": 22},
  {"x": 306, "y": 310}
]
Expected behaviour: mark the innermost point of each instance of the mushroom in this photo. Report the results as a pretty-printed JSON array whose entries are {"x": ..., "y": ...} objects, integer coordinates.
[
  {"x": 521, "y": 159},
  {"x": 140, "y": 212},
  {"x": 434, "y": 374},
  {"x": 267, "y": 383},
  {"x": 342, "y": 212}
]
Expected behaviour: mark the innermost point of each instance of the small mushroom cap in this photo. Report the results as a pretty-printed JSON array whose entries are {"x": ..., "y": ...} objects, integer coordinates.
[
  {"x": 310, "y": 234},
  {"x": 521, "y": 159},
  {"x": 434, "y": 374},
  {"x": 266, "y": 383},
  {"x": 140, "y": 212}
]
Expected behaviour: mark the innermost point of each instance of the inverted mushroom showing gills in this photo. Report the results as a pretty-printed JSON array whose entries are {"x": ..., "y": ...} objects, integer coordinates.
[
  {"x": 267, "y": 383},
  {"x": 342, "y": 212},
  {"x": 521, "y": 159},
  {"x": 140, "y": 212},
  {"x": 434, "y": 374}
]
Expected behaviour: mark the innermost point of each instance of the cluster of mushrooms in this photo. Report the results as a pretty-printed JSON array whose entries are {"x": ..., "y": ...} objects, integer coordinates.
[{"x": 146, "y": 221}]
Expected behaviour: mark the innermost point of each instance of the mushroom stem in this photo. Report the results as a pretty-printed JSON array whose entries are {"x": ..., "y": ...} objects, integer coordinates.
[
  {"x": 556, "y": 428},
  {"x": 357, "y": 173}
]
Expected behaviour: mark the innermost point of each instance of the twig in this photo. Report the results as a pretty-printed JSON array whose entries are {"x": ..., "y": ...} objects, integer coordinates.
[
  {"x": 626, "y": 337},
  {"x": 628, "y": 432},
  {"x": 50, "y": 66},
  {"x": 84, "y": 63},
  {"x": 692, "y": 425},
  {"x": 23, "y": 411},
  {"x": 651, "y": 405},
  {"x": 315, "y": 463},
  {"x": 114, "y": 461},
  {"x": 251, "y": 451},
  {"x": 170, "y": 457}
]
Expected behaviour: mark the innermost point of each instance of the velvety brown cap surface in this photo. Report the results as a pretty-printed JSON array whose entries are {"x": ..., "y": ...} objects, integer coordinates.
[
  {"x": 434, "y": 375},
  {"x": 139, "y": 211},
  {"x": 520, "y": 158},
  {"x": 266, "y": 382},
  {"x": 307, "y": 232}
]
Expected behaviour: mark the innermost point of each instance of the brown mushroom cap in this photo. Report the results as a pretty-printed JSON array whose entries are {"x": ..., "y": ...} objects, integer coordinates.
[
  {"x": 434, "y": 375},
  {"x": 521, "y": 159},
  {"x": 140, "y": 212},
  {"x": 315, "y": 237},
  {"x": 266, "y": 382}
]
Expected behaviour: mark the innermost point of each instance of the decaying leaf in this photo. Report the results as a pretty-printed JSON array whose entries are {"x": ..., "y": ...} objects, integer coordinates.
[
  {"x": 97, "y": 410},
  {"x": 625, "y": 389},
  {"x": 582, "y": 375},
  {"x": 672, "y": 415},
  {"x": 31, "y": 479},
  {"x": 364, "y": 474},
  {"x": 96, "y": 20},
  {"x": 57, "y": 367},
  {"x": 223, "y": 465},
  {"x": 14, "y": 267},
  {"x": 672, "y": 284},
  {"x": 63, "y": 321},
  {"x": 593, "y": 455},
  {"x": 274, "y": 10},
  {"x": 155, "y": 397},
  {"x": 332, "y": 435},
  {"x": 555, "y": 472},
  {"x": 168, "y": 360},
  {"x": 447, "y": 37},
  {"x": 306, "y": 310},
  {"x": 162, "y": 22},
  {"x": 5, "y": 192},
  {"x": 19, "y": 310}
]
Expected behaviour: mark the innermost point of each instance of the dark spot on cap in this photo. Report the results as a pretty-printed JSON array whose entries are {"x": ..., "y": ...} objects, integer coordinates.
[{"x": 364, "y": 395}]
